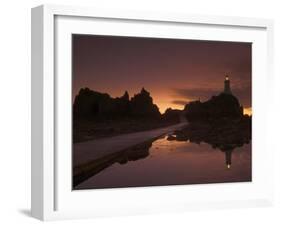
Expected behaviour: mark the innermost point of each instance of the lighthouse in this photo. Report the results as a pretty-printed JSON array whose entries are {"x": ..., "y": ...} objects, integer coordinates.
[{"x": 227, "y": 89}]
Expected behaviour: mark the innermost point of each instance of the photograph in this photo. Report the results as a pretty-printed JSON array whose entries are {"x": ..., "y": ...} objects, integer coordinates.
[{"x": 150, "y": 111}]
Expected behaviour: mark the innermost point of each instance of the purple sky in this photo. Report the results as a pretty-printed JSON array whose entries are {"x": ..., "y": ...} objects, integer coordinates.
[{"x": 173, "y": 71}]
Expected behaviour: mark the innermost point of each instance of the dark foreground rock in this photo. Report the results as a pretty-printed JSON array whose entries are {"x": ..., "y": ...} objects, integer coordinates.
[
  {"x": 223, "y": 134},
  {"x": 223, "y": 106},
  {"x": 90, "y": 104},
  {"x": 98, "y": 115}
]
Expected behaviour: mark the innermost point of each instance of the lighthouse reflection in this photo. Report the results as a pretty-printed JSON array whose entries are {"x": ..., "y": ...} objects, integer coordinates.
[
  {"x": 186, "y": 150},
  {"x": 224, "y": 137},
  {"x": 226, "y": 149},
  {"x": 228, "y": 158},
  {"x": 171, "y": 160},
  {"x": 200, "y": 152}
]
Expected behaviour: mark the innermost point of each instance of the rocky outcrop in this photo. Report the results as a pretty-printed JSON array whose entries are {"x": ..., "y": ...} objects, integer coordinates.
[
  {"x": 224, "y": 134},
  {"x": 218, "y": 107},
  {"x": 89, "y": 104},
  {"x": 142, "y": 105},
  {"x": 172, "y": 115}
]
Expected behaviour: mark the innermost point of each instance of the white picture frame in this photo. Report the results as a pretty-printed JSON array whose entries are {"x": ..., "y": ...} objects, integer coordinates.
[{"x": 52, "y": 197}]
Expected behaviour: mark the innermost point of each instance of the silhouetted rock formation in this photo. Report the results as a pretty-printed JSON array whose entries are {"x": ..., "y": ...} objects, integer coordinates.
[
  {"x": 121, "y": 105},
  {"x": 142, "y": 105},
  {"x": 172, "y": 115},
  {"x": 218, "y": 121},
  {"x": 89, "y": 104},
  {"x": 218, "y": 107},
  {"x": 224, "y": 134},
  {"x": 223, "y": 106}
]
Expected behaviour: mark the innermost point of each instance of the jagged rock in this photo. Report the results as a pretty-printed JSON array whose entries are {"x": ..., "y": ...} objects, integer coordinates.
[
  {"x": 142, "y": 105},
  {"x": 224, "y": 134},
  {"x": 96, "y": 105},
  {"x": 172, "y": 115},
  {"x": 217, "y": 108},
  {"x": 89, "y": 103}
]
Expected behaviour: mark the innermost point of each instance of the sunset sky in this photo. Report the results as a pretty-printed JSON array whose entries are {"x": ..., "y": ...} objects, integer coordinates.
[{"x": 173, "y": 71}]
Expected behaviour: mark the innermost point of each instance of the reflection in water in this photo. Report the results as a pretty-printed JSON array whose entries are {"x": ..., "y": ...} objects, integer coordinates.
[
  {"x": 228, "y": 158},
  {"x": 193, "y": 155},
  {"x": 90, "y": 169},
  {"x": 224, "y": 135}
]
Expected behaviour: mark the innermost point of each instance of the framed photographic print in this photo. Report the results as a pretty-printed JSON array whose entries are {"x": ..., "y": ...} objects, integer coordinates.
[{"x": 137, "y": 112}]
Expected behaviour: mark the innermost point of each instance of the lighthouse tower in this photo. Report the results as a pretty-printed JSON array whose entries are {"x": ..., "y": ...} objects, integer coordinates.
[{"x": 227, "y": 89}]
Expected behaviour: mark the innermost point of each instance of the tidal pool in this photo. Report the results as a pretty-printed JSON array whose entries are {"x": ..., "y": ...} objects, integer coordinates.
[{"x": 166, "y": 162}]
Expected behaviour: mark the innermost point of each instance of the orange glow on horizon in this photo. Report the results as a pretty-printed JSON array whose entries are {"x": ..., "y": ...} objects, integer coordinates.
[
  {"x": 247, "y": 111},
  {"x": 173, "y": 71},
  {"x": 163, "y": 107},
  {"x": 161, "y": 97},
  {"x": 165, "y": 101}
]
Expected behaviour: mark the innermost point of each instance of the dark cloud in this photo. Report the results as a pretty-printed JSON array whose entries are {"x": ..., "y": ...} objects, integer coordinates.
[
  {"x": 195, "y": 93},
  {"x": 189, "y": 94}
]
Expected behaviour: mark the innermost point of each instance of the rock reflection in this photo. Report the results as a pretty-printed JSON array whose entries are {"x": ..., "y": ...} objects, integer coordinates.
[
  {"x": 88, "y": 170},
  {"x": 225, "y": 135}
]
